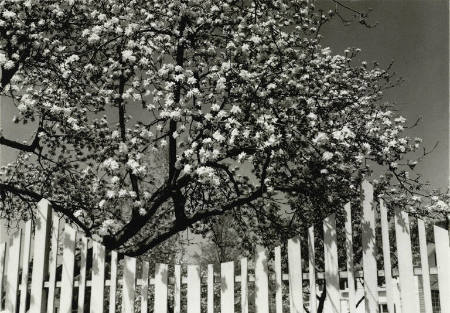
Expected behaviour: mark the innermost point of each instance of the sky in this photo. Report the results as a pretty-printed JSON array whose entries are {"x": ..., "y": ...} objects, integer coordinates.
[{"x": 413, "y": 34}]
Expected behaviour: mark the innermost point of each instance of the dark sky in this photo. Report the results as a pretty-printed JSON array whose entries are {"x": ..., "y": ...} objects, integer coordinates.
[{"x": 412, "y": 33}]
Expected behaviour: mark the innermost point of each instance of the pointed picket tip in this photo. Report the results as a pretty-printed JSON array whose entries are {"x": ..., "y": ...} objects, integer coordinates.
[
  {"x": 367, "y": 190},
  {"x": 329, "y": 218},
  {"x": 331, "y": 274},
  {"x": 244, "y": 286},
  {"x": 295, "y": 275},
  {"x": 210, "y": 299},
  {"x": 40, "y": 255},
  {"x": 366, "y": 184},
  {"x": 227, "y": 287},
  {"x": 177, "y": 289},
  {"x": 441, "y": 240},
  {"x": 193, "y": 289},
  {"x": 43, "y": 201},
  {"x": 161, "y": 278},
  {"x": 261, "y": 280}
]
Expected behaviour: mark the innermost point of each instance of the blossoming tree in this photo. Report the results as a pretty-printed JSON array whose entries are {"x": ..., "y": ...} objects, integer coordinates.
[{"x": 156, "y": 116}]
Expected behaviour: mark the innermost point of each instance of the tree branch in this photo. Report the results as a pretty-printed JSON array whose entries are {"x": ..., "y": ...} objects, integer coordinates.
[
  {"x": 137, "y": 222},
  {"x": 20, "y": 146},
  {"x": 150, "y": 243},
  {"x": 36, "y": 197},
  {"x": 177, "y": 96}
]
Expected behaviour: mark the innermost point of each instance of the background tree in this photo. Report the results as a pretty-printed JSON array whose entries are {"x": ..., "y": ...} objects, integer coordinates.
[
  {"x": 246, "y": 110},
  {"x": 221, "y": 244}
]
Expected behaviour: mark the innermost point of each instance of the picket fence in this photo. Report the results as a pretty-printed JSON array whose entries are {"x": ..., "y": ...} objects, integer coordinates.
[{"x": 40, "y": 292}]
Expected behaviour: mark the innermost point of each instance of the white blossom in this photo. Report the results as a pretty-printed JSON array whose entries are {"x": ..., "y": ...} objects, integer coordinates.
[
  {"x": 218, "y": 136},
  {"x": 127, "y": 55},
  {"x": 327, "y": 155},
  {"x": 320, "y": 138},
  {"x": 123, "y": 148},
  {"x": 187, "y": 168},
  {"x": 111, "y": 164}
]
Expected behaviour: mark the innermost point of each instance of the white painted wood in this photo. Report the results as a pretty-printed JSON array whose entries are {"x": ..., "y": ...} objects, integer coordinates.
[
  {"x": 295, "y": 276},
  {"x": 402, "y": 234},
  {"x": 98, "y": 277},
  {"x": 416, "y": 288},
  {"x": 177, "y": 289},
  {"x": 193, "y": 289},
  {"x": 82, "y": 277},
  {"x": 278, "y": 281},
  {"x": 113, "y": 283},
  {"x": 261, "y": 281},
  {"x": 360, "y": 294},
  {"x": 443, "y": 264},
  {"x": 369, "y": 249},
  {"x": 312, "y": 271},
  {"x": 12, "y": 275},
  {"x": 397, "y": 301},
  {"x": 387, "y": 257},
  {"x": 332, "y": 301},
  {"x": 244, "y": 286},
  {"x": 425, "y": 267},
  {"x": 349, "y": 253},
  {"x": 144, "y": 287},
  {"x": 40, "y": 256},
  {"x": 52, "y": 263},
  {"x": 210, "y": 299},
  {"x": 25, "y": 266},
  {"x": 161, "y": 274},
  {"x": 129, "y": 285},
  {"x": 68, "y": 266},
  {"x": 227, "y": 287},
  {"x": 2, "y": 267}
]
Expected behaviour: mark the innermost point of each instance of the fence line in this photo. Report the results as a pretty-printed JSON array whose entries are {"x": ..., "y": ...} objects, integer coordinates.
[{"x": 96, "y": 289}]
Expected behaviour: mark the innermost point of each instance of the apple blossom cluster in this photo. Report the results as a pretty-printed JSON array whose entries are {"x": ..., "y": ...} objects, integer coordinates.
[{"x": 154, "y": 116}]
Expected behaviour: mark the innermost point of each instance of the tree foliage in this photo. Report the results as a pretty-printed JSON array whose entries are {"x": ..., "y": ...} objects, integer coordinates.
[{"x": 155, "y": 116}]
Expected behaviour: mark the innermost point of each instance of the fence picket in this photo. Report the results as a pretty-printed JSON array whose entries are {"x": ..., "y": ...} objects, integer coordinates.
[
  {"x": 349, "y": 254},
  {"x": 68, "y": 266},
  {"x": 12, "y": 275},
  {"x": 161, "y": 273},
  {"x": 261, "y": 281},
  {"x": 408, "y": 294},
  {"x": 227, "y": 287},
  {"x": 25, "y": 266},
  {"x": 52, "y": 264},
  {"x": 40, "y": 256},
  {"x": 278, "y": 281},
  {"x": 295, "y": 276},
  {"x": 113, "y": 282},
  {"x": 82, "y": 278},
  {"x": 387, "y": 257},
  {"x": 244, "y": 286},
  {"x": 129, "y": 284},
  {"x": 425, "y": 267},
  {"x": 442, "y": 258},
  {"x": 144, "y": 288},
  {"x": 369, "y": 249},
  {"x": 408, "y": 284},
  {"x": 332, "y": 301},
  {"x": 98, "y": 277},
  {"x": 210, "y": 299},
  {"x": 177, "y": 289},
  {"x": 2, "y": 267},
  {"x": 312, "y": 271},
  {"x": 193, "y": 289}
]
